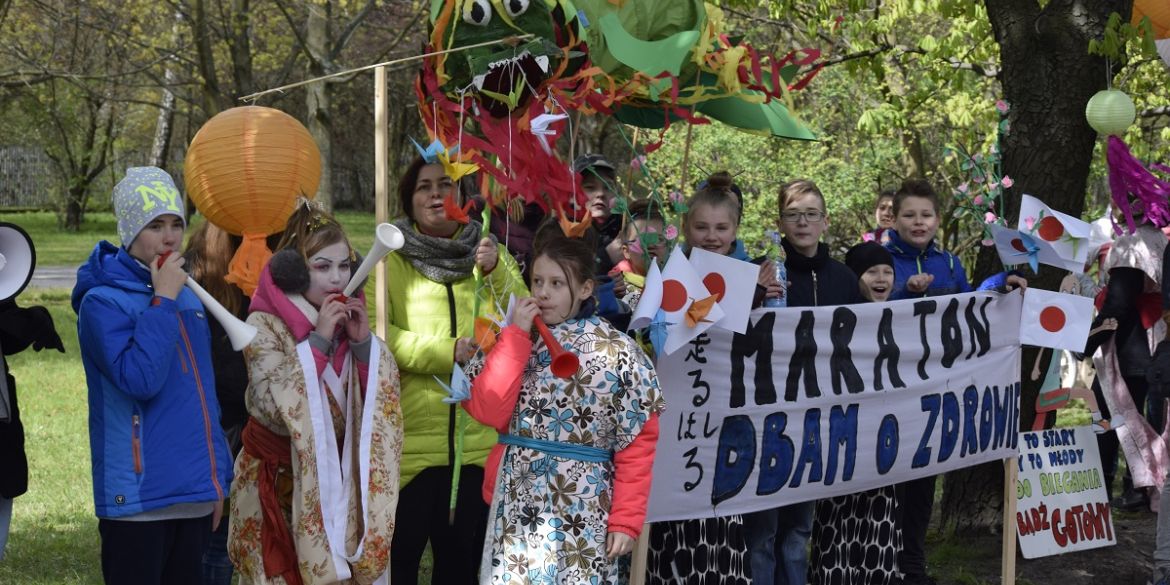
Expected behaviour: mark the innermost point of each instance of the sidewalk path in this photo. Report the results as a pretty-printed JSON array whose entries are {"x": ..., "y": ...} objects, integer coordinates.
[{"x": 54, "y": 277}]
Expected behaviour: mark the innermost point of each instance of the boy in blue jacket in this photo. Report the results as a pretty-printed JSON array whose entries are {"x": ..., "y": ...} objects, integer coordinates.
[
  {"x": 161, "y": 466},
  {"x": 921, "y": 269}
]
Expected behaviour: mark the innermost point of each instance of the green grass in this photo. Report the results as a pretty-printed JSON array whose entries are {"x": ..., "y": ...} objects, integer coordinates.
[
  {"x": 57, "y": 247},
  {"x": 54, "y": 536}
]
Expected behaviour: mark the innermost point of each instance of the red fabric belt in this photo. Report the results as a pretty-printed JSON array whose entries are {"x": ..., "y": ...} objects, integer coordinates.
[{"x": 276, "y": 542}]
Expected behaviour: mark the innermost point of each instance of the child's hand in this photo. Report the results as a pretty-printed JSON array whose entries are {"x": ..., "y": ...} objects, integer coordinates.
[
  {"x": 618, "y": 544},
  {"x": 331, "y": 315},
  {"x": 486, "y": 255},
  {"x": 357, "y": 323},
  {"x": 619, "y": 286},
  {"x": 525, "y": 313},
  {"x": 919, "y": 282},
  {"x": 465, "y": 347},
  {"x": 767, "y": 274},
  {"x": 167, "y": 275},
  {"x": 1015, "y": 281}
]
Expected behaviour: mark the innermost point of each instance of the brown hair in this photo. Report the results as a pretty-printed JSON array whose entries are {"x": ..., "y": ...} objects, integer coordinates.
[
  {"x": 209, "y": 253},
  {"x": 793, "y": 189},
  {"x": 310, "y": 229},
  {"x": 717, "y": 191},
  {"x": 576, "y": 256},
  {"x": 915, "y": 188},
  {"x": 408, "y": 181},
  {"x": 644, "y": 209}
]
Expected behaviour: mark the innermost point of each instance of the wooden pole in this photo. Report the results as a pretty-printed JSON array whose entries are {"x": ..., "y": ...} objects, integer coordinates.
[
  {"x": 381, "y": 191},
  {"x": 638, "y": 563},
  {"x": 686, "y": 164},
  {"x": 1010, "y": 478}
]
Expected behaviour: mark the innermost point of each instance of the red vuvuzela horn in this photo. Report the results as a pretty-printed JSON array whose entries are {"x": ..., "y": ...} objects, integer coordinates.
[{"x": 564, "y": 363}]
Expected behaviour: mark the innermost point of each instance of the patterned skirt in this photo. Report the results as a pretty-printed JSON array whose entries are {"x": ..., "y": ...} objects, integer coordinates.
[
  {"x": 710, "y": 551},
  {"x": 856, "y": 540}
]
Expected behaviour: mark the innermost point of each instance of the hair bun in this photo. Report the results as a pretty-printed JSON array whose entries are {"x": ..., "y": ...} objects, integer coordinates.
[{"x": 721, "y": 181}]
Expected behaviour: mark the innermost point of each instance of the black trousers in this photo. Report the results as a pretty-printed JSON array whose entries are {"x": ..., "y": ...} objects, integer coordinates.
[
  {"x": 162, "y": 552},
  {"x": 915, "y": 504},
  {"x": 423, "y": 515}
]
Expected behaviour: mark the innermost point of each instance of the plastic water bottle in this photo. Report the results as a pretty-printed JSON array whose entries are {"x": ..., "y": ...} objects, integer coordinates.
[{"x": 781, "y": 275}]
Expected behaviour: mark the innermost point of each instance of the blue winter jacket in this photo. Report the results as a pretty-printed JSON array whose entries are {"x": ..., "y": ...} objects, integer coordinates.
[
  {"x": 154, "y": 433},
  {"x": 949, "y": 276}
]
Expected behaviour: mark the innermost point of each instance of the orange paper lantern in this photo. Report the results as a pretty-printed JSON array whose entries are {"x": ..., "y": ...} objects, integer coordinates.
[{"x": 244, "y": 171}]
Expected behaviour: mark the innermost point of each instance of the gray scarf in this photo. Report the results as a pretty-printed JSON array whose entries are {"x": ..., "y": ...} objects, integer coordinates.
[{"x": 443, "y": 260}]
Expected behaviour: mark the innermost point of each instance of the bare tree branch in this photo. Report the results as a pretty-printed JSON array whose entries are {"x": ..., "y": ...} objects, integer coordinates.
[{"x": 350, "y": 28}]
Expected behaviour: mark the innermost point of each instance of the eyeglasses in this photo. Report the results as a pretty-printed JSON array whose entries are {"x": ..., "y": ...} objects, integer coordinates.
[{"x": 796, "y": 216}]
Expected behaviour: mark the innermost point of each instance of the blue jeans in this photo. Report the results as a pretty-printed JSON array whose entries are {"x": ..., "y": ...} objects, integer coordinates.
[
  {"x": 217, "y": 567},
  {"x": 779, "y": 533},
  {"x": 5, "y": 522}
]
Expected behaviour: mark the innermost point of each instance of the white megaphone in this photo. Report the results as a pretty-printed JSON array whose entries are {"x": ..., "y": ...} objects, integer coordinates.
[
  {"x": 387, "y": 238},
  {"x": 18, "y": 257},
  {"x": 238, "y": 332}
]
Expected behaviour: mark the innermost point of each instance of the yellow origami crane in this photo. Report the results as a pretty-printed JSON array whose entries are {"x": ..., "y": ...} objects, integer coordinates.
[{"x": 698, "y": 310}]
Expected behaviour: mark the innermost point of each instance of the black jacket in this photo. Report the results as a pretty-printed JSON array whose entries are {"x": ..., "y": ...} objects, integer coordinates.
[
  {"x": 820, "y": 280},
  {"x": 19, "y": 328}
]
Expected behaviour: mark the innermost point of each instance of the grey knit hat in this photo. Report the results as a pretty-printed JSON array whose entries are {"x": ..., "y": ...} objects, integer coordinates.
[{"x": 144, "y": 194}]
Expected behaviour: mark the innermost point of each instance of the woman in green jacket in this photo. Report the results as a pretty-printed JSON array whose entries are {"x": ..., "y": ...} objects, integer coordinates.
[{"x": 431, "y": 296}]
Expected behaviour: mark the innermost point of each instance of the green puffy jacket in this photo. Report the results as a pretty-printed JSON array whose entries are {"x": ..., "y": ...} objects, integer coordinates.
[{"x": 425, "y": 319}]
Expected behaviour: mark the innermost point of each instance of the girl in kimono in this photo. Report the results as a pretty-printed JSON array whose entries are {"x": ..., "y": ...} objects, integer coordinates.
[
  {"x": 317, "y": 482},
  {"x": 570, "y": 479}
]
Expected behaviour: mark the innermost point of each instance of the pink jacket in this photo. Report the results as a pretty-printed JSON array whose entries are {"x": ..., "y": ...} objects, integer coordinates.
[
  {"x": 493, "y": 399},
  {"x": 268, "y": 298}
]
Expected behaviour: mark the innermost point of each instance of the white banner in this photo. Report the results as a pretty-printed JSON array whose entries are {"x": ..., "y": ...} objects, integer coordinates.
[
  {"x": 817, "y": 402},
  {"x": 1062, "y": 501}
]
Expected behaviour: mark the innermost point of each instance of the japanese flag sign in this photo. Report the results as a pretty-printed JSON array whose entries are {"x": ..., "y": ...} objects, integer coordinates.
[
  {"x": 1056, "y": 320},
  {"x": 732, "y": 281},
  {"x": 1067, "y": 236},
  {"x": 682, "y": 288}
]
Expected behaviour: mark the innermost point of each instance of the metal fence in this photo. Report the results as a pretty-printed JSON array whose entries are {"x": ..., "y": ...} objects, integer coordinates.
[{"x": 27, "y": 178}]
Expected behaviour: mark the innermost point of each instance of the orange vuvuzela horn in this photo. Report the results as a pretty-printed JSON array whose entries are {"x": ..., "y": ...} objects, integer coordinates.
[{"x": 564, "y": 363}]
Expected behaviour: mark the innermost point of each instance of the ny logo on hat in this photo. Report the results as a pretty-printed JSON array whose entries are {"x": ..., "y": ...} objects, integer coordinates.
[{"x": 159, "y": 191}]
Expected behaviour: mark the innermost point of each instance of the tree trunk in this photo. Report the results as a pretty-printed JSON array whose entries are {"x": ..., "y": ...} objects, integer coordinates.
[
  {"x": 164, "y": 126},
  {"x": 1047, "y": 77},
  {"x": 317, "y": 97},
  {"x": 205, "y": 58},
  {"x": 75, "y": 208},
  {"x": 241, "y": 48}
]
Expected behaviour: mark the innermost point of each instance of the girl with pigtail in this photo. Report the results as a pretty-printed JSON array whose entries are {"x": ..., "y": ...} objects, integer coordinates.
[
  {"x": 317, "y": 482},
  {"x": 569, "y": 480}
]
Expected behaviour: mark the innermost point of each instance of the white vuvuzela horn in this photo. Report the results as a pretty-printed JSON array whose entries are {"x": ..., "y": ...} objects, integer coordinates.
[
  {"x": 238, "y": 332},
  {"x": 387, "y": 238}
]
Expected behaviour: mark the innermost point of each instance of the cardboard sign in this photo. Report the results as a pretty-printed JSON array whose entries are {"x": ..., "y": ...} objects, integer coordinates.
[{"x": 1062, "y": 504}]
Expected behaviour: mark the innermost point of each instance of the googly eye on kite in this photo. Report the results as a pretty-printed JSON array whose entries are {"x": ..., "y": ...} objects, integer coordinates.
[
  {"x": 516, "y": 7},
  {"x": 478, "y": 12}
]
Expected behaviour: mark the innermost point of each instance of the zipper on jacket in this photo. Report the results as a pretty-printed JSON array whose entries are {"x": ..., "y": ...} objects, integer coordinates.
[
  {"x": 136, "y": 442},
  {"x": 816, "y": 303},
  {"x": 182, "y": 361},
  {"x": 203, "y": 405},
  {"x": 452, "y": 413}
]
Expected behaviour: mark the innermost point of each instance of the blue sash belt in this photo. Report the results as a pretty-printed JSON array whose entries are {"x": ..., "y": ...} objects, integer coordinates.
[{"x": 560, "y": 449}]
